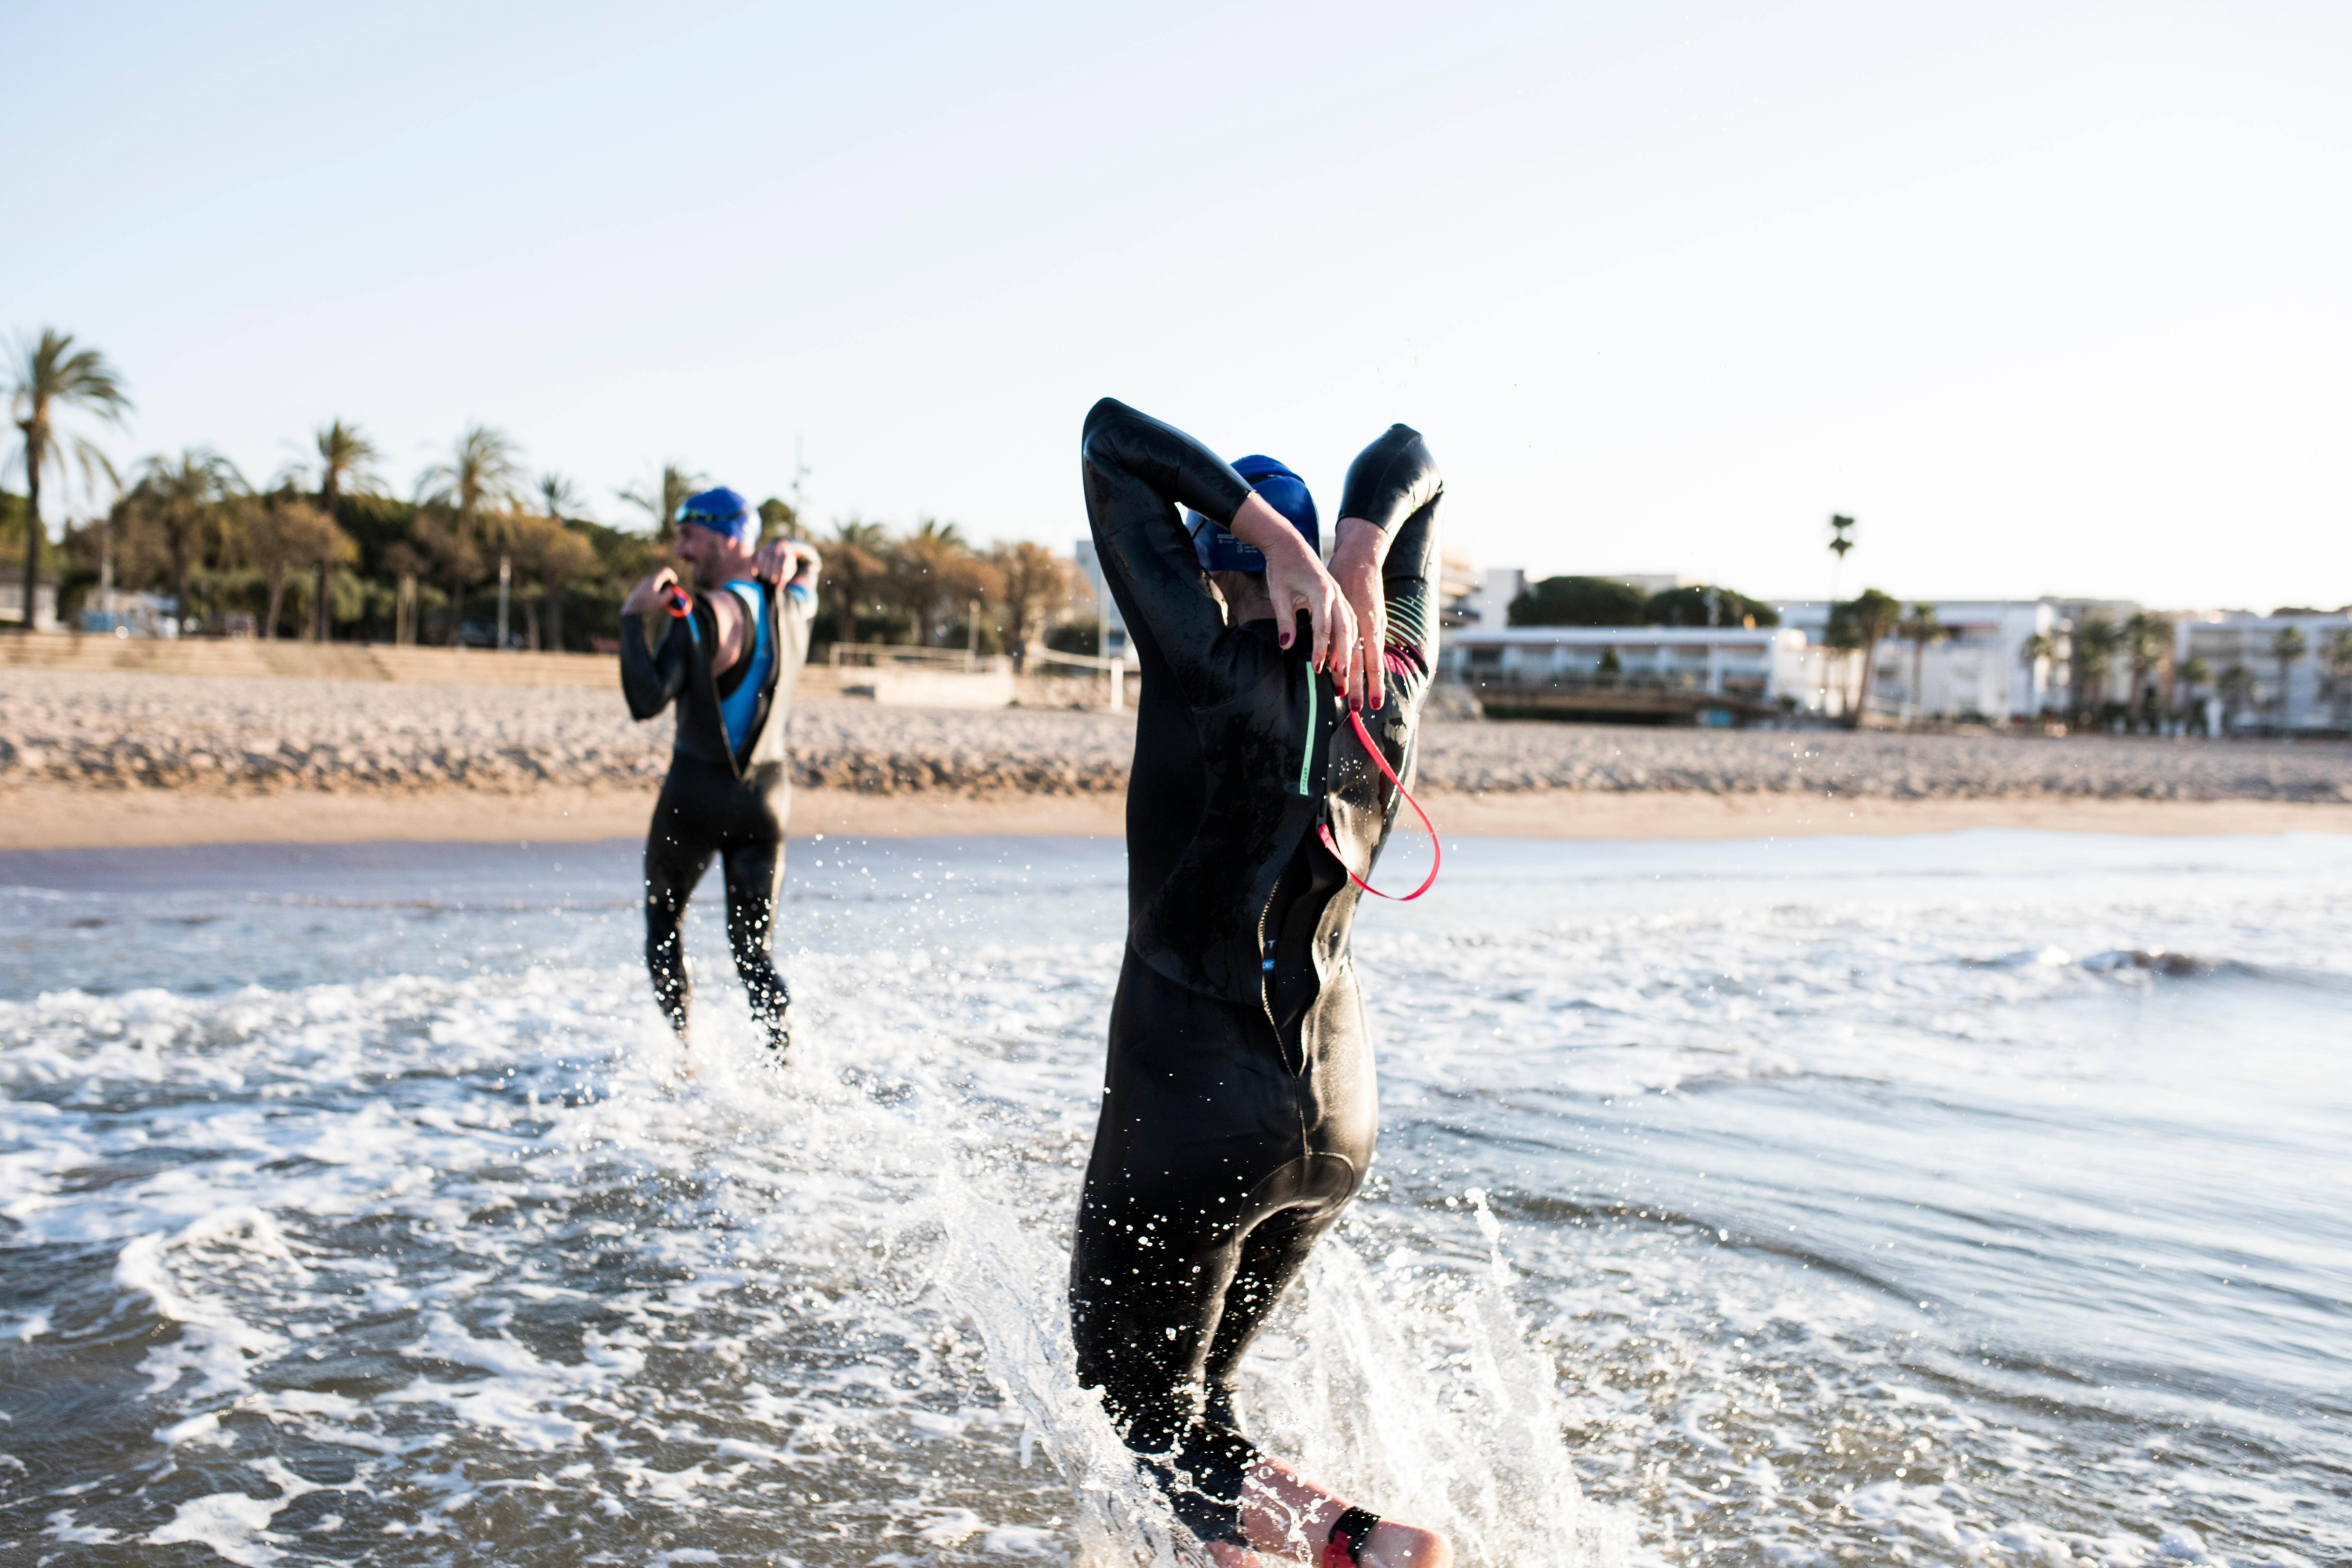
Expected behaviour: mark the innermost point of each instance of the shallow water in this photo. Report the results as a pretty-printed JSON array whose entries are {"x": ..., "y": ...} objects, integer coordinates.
[{"x": 1954, "y": 1199}]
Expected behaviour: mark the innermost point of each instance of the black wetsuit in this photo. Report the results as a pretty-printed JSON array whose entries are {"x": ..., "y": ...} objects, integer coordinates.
[
  {"x": 718, "y": 800},
  {"x": 1239, "y": 1107}
]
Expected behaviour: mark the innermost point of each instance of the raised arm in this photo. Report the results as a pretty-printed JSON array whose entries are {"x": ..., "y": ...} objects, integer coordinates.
[
  {"x": 651, "y": 678},
  {"x": 1383, "y": 555},
  {"x": 1138, "y": 473}
]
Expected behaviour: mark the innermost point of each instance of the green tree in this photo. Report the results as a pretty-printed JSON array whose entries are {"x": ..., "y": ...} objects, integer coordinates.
[
  {"x": 346, "y": 466},
  {"x": 2091, "y": 648},
  {"x": 1579, "y": 602},
  {"x": 482, "y": 473},
  {"x": 2237, "y": 688},
  {"x": 179, "y": 496},
  {"x": 660, "y": 499},
  {"x": 933, "y": 572},
  {"x": 51, "y": 377},
  {"x": 1707, "y": 605},
  {"x": 856, "y": 565},
  {"x": 1919, "y": 628},
  {"x": 1858, "y": 626},
  {"x": 2146, "y": 644},
  {"x": 544, "y": 549},
  {"x": 287, "y": 535},
  {"x": 2036, "y": 651},
  {"x": 778, "y": 519},
  {"x": 2335, "y": 656},
  {"x": 1035, "y": 585},
  {"x": 2288, "y": 645},
  {"x": 2193, "y": 673}
]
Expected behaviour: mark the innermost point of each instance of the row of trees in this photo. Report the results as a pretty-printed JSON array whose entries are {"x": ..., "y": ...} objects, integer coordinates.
[
  {"x": 326, "y": 548},
  {"x": 1611, "y": 602}
]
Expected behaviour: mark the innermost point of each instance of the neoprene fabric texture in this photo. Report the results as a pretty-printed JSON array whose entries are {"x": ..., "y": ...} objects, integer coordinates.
[{"x": 1239, "y": 1106}]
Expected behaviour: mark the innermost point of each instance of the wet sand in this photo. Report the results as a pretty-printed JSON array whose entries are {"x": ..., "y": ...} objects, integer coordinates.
[{"x": 61, "y": 819}]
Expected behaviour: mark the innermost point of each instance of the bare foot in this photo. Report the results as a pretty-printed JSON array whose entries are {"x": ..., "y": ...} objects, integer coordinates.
[
  {"x": 1406, "y": 1546},
  {"x": 1225, "y": 1554},
  {"x": 1288, "y": 1516}
]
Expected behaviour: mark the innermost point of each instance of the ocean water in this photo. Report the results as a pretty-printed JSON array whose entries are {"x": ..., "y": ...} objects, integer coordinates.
[{"x": 1978, "y": 1198}]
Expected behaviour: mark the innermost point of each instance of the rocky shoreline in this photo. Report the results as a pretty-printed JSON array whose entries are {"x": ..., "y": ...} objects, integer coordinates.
[{"x": 247, "y": 737}]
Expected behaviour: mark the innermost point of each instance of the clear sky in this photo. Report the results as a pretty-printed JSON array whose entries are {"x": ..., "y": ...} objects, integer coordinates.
[{"x": 2054, "y": 297}]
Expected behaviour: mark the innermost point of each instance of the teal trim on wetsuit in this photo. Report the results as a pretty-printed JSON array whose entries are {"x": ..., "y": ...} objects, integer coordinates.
[
  {"x": 739, "y": 707},
  {"x": 729, "y": 792},
  {"x": 1239, "y": 1110}
]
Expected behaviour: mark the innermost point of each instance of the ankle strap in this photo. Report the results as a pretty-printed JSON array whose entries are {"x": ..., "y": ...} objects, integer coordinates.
[{"x": 1350, "y": 1534}]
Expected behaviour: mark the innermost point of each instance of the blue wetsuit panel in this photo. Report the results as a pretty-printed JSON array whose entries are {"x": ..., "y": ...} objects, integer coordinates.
[{"x": 740, "y": 705}]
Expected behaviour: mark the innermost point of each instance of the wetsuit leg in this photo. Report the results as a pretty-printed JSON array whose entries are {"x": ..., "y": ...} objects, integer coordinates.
[
  {"x": 755, "y": 880},
  {"x": 678, "y": 852},
  {"x": 1216, "y": 1167}
]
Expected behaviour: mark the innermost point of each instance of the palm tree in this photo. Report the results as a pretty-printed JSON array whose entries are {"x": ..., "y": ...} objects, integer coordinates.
[
  {"x": 1919, "y": 628},
  {"x": 2192, "y": 673},
  {"x": 181, "y": 495},
  {"x": 2287, "y": 646},
  {"x": 2237, "y": 686},
  {"x": 346, "y": 466},
  {"x": 933, "y": 568},
  {"x": 856, "y": 559},
  {"x": 2336, "y": 652},
  {"x": 481, "y": 471},
  {"x": 1859, "y": 624},
  {"x": 2037, "y": 649},
  {"x": 660, "y": 500},
  {"x": 2146, "y": 639},
  {"x": 2092, "y": 647},
  {"x": 52, "y": 376}
]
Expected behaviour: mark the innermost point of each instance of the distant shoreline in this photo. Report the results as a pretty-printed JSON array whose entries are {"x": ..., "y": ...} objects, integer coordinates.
[
  {"x": 113, "y": 759},
  {"x": 63, "y": 817}
]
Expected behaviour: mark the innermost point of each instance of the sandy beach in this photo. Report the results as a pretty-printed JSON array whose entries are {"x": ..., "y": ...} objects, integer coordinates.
[{"x": 128, "y": 760}]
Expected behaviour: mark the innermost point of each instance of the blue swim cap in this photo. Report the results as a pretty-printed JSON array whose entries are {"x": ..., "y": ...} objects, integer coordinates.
[
  {"x": 721, "y": 511},
  {"x": 1218, "y": 551}
]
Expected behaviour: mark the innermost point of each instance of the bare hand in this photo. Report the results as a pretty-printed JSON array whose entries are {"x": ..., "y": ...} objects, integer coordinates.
[
  {"x": 648, "y": 594},
  {"x": 780, "y": 559},
  {"x": 1358, "y": 550},
  {"x": 1295, "y": 581}
]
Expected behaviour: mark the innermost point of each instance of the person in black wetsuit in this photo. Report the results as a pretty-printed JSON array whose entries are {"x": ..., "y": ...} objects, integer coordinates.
[
  {"x": 1239, "y": 1109},
  {"x": 729, "y": 656}
]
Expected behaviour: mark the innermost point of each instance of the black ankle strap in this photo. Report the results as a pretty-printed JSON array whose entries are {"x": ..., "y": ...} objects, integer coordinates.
[{"x": 1350, "y": 1533}]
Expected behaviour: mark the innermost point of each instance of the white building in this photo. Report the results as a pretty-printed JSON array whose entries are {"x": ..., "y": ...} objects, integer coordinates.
[
  {"x": 1977, "y": 670},
  {"x": 1669, "y": 671},
  {"x": 1114, "y": 625},
  {"x": 12, "y": 601},
  {"x": 2310, "y": 691}
]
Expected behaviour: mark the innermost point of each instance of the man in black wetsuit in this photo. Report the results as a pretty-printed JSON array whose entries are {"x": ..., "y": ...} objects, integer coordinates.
[
  {"x": 729, "y": 656},
  {"x": 1239, "y": 1109}
]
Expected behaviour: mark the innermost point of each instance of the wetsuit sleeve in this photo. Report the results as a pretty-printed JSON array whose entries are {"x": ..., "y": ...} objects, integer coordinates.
[
  {"x": 1391, "y": 480},
  {"x": 1394, "y": 485},
  {"x": 1139, "y": 473},
  {"x": 650, "y": 679}
]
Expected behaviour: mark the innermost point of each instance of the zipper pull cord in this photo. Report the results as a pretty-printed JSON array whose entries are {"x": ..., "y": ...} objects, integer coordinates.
[{"x": 1436, "y": 851}]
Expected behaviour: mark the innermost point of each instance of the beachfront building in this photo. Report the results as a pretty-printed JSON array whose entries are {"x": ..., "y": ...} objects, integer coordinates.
[
  {"x": 12, "y": 600},
  {"x": 1704, "y": 674},
  {"x": 2248, "y": 687},
  {"x": 1978, "y": 671}
]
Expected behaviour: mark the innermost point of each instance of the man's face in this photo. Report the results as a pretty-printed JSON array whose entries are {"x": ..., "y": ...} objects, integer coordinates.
[{"x": 694, "y": 548}]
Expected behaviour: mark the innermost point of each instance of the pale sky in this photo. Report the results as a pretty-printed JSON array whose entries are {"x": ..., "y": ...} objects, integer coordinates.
[{"x": 2053, "y": 298}]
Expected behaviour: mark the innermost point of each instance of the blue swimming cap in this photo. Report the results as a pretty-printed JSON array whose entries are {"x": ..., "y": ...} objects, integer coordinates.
[
  {"x": 721, "y": 511},
  {"x": 1218, "y": 551}
]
